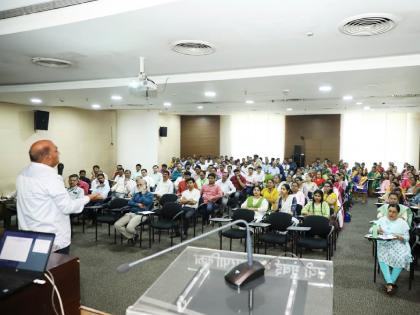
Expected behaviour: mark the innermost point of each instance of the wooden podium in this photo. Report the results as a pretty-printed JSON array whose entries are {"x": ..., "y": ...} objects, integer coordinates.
[{"x": 36, "y": 299}]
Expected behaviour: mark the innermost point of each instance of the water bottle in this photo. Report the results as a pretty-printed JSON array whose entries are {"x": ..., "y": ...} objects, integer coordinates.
[{"x": 375, "y": 230}]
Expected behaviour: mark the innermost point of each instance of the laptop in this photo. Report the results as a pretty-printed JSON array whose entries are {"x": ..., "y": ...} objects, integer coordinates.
[{"x": 23, "y": 258}]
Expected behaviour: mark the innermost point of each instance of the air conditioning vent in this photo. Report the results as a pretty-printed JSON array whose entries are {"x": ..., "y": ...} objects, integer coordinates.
[
  {"x": 40, "y": 7},
  {"x": 51, "y": 62},
  {"x": 193, "y": 47},
  {"x": 368, "y": 24}
]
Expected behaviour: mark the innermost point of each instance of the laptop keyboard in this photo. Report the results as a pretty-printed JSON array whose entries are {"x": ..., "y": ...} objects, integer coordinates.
[{"x": 9, "y": 280}]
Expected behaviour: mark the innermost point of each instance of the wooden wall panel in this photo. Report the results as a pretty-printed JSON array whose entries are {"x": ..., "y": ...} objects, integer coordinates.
[
  {"x": 321, "y": 135},
  {"x": 200, "y": 135}
]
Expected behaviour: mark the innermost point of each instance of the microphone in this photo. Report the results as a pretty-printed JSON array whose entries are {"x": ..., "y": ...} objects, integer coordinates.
[{"x": 237, "y": 276}]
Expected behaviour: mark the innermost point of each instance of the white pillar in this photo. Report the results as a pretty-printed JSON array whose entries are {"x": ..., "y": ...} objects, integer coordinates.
[{"x": 137, "y": 138}]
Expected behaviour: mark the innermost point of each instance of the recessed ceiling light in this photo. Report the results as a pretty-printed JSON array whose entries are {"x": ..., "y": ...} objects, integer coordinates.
[
  {"x": 325, "y": 88},
  {"x": 36, "y": 100},
  {"x": 167, "y": 104},
  {"x": 289, "y": 109},
  {"x": 366, "y": 107},
  {"x": 96, "y": 106},
  {"x": 210, "y": 94},
  {"x": 116, "y": 97},
  {"x": 200, "y": 107},
  {"x": 309, "y": 34},
  {"x": 249, "y": 102},
  {"x": 359, "y": 103},
  {"x": 347, "y": 98}
]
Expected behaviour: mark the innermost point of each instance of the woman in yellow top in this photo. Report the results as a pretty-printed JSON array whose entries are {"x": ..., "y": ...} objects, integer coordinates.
[
  {"x": 330, "y": 197},
  {"x": 317, "y": 206},
  {"x": 270, "y": 193}
]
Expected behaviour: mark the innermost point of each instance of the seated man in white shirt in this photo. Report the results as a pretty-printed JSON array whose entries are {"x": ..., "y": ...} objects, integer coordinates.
[
  {"x": 259, "y": 176},
  {"x": 137, "y": 172},
  {"x": 227, "y": 188},
  {"x": 189, "y": 201},
  {"x": 129, "y": 184},
  {"x": 165, "y": 186},
  {"x": 156, "y": 176},
  {"x": 147, "y": 178},
  {"x": 101, "y": 187},
  {"x": 74, "y": 191},
  {"x": 118, "y": 188}
]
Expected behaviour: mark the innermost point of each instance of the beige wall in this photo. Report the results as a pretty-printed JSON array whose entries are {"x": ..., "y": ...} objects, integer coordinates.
[
  {"x": 171, "y": 145},
  {"x": 83, "y": 138}
]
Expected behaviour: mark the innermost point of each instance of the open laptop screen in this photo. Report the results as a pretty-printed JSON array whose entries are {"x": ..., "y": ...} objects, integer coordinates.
[{"x": 25, "y": 250}]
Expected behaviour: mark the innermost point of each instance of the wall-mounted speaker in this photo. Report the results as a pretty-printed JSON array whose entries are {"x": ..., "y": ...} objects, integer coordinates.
[
  {"x": 41, "y": 119},
  {"x": 163, "y": 131}
]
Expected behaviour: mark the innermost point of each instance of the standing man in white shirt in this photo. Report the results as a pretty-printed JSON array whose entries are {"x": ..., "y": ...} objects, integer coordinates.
[{"x": 43, "y": 203}]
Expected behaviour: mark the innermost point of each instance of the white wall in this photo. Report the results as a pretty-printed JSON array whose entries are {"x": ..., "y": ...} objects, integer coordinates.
[
  {"x": 380, "y": 137},
  {"x": 83, "y": 138},
  {"x": 171, "y": 145},
  {"x": 251, "y": 133},
  {"x": 137, "y": 138}
]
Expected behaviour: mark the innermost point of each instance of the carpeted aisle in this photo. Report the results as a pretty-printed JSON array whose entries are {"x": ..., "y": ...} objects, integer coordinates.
[{"x": 104, "y": 289}]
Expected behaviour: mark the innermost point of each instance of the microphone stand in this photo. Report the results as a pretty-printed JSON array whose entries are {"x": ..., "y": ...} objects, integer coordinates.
[{"x": 237, "y": 276}]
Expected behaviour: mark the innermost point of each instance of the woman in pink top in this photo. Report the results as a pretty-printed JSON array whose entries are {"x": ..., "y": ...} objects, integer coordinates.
[{"x": 385, "y": 185}]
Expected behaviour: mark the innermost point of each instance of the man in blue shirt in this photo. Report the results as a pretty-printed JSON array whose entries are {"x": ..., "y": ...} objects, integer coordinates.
[
  {"x": 177, "y": 172},
  {"x": 141, "y": 201}
]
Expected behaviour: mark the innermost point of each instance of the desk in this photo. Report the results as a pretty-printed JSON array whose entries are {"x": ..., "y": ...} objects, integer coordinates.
[
  {"x": 194, "y": 284},
  {"x": 259, "y": 227},
  {"x": 375, "y": 248},
  {"x": 36, "y": 299},
  {"x": 295, "y": 230}
]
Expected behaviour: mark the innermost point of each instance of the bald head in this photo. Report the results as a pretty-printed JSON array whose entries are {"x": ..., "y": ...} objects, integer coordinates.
[{"x": 45, "y": 152}]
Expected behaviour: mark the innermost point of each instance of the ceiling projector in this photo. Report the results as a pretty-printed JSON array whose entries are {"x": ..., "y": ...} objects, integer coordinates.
[{"x": 142, "y": 85}]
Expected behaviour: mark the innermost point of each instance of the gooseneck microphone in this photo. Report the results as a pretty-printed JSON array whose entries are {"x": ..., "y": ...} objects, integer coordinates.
[{"x": 239, "y": 275}]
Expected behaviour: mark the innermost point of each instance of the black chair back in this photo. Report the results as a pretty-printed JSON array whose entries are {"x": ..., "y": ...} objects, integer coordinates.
[
  {"x": 279, "y": 221},
  {"x": 168, "y": 198},
  {"x": 117, "y": 203},
  {"x": 298, "y": 209},
  {"x": 319, "y": 225},
  {"x": 170, "y": 210},
  {"x": 243, "y": 214}
]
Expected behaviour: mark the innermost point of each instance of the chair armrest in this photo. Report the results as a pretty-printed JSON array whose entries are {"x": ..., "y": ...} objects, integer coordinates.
[{"x": 177, "y": 215}]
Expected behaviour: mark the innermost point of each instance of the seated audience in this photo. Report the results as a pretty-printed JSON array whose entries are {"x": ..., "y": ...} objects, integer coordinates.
[
  {"x": 182, "y": 186},
  {"x": 156, "y": 176},
  {"x": 227, "y": 188},
  {"x": 259, "y": 176},
  {"x": 318, "y": 180},
  {"x": 202, "y": 180},
  {"x": 210, "y": 194},
  {"x": 82, "y": 177},
  {"x": 257, "y": 203},
  {"x": 317, "y": 206},
  {"x": 177, "y": 172},
  {"x": 393, "y": 255},
  {"x": 393, "y": 199},
  {"x": 137, "y": 172},
  {"x": 83, "y": 185},
  {"x": 251, "y": 180},
  {"x": 97, "y": 170},
  {"x": 118, "y": 189},
  {"x": 287, "y": 202},
  {"x": 100, "y": 186},
  {"x": 271, "y": 194},
  {"x": 75, "y": 192},
  {"x": 147, "y": 178},
  {"x": 165, "y": 186},
  {"x": 141, "y": 201},
  {"x": 190, "y": 198},
  {"x": 330, "y": 197},
  {"x": 300, "y": 197}
]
